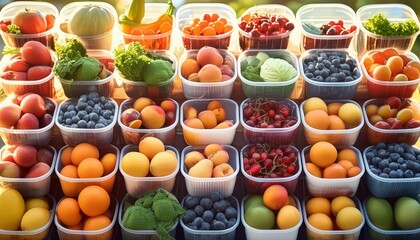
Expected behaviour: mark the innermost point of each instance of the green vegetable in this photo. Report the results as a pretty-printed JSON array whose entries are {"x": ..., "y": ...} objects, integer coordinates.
[
  {"x": 262, "y": 56},
  {"x": 131, "y": 61},
  {"x": 252, "y": 73},
  {"x": 13, "y": 28},
  {"x": 72, "y": 50},
  {"x": 310, "y": 28},
  {"x": 158, "y": 71},
  {"x": 276, "y": 69},
  {"x": 139, "y": 218},
  {"x": 379, "y": 24}
]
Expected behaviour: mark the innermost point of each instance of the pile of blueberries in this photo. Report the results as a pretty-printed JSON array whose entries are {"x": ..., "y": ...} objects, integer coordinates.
[
  {"x": 210, "y": 213},
  {"x": 393, "y": 160},
  {"x": 90, "y": 111}
]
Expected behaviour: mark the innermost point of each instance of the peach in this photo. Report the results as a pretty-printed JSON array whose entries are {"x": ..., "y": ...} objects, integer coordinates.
[
  {"x": 222, "y": 170},
  {"x": 168, "y": 105},
  {"x": 382, "y": 72},
  {"x": 226, "y": 70},
  {"x": 129, "y": 115},
  {"x": 45, "y": 120},
  {"x": 209, "y": 55},
  {"x": 210, "y": 73},
  {"x": 190, "y": 112},
  {"x": 33, "y": 103},
  {"x": 224, "y": 124},
  {"x": 153, "y": 116},
  {"x": 9, "y": 169},
  {"x": 142, "y": 102},
  {"x": 393, "y": 102},
  {"x": 220, "y": 114},
  {"x": 28, "y": 121},
  {"x": 208, "y": 118},
  {"x": 212, "y": 148},
  {"x": 45, "y": 155},
  {"x": 203, "y": 169},
  {"x": 225, "y": 78},
  {"x": 194, "y": 123},
  {"x": 192, "y": 158},
  {"x": 38, "y": 170},
  {"x": 219, "y": 157},
  {"x": 9, "y": 114},
  {"x": 25, "y": 155}
]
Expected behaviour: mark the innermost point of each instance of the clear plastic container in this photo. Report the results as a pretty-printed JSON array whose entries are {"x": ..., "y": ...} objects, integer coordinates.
[
  {"x": 376, "y": 233},
  {"x": 72, "y": 186},
  {"x": 43, "y": 87},
  {"x": 225, "y": 234},
  {"x": 389, "y": 187},
  {"x": 34, "y": 137},
  {"x": 201, "y": 187},
  {"x": 135, "y": 89},
  {"x": 193, "y": 90},
  {"x": 376, "y": 135},
  {"x": 319, "y": 14},
  {"x": 31, "y": 187},
  {"x": 130, "y": 234},
  {"x": 252, "y": 233},
  {"x": 105, "y": 87},
  {"x": 329, "y": 90},
  {"x": 200, "y": 137},
  {"x": 332, "y": 187},
  {"x": 95, "y": 136},
  {"x": 107, "y": 232},
  {"x": 257, "y": 185},
  {"x": 339, "y": 138},
  {"x": 137, "y": 186},
  {"x": 280, "y": 89},
  {"x": 160, "y": 41},
  {"x": 276, "y": 136},
  {"x": 133, "y": 136},
  {"x": 187, "y": 12},
  {"x": 18, "y": 40},
  {"x": 280, "y": 41},
  {"x": 101, "y": 41},
  {"x": 394, "y": 13},
  {"x": 383, "y": 89},
  {"x": 40, "y": 233}
]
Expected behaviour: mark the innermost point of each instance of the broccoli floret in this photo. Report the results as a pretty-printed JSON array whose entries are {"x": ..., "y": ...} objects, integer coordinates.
[
  {"x": 139, "y": 218},
  {"x": 131, "y": 61},
  {"x": 158, "y": 71},
  {"x": 72, "y": 50}
]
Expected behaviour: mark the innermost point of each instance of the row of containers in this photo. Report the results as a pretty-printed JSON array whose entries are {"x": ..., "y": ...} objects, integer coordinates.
[{"x": 381, "y": 142}]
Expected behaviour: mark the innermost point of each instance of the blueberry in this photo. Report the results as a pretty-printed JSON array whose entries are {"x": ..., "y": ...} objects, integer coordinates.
[
  {"x": 82, "y": 98},
  {"x": 324, "y": 73},
  {"x": 393, "y": 165},
  {"x": 394, "y": 156},
  {"x": 89, "y": 109},
  {"x": 348, "y": 79},
  {"x": 326, "y": 63},
  {"x": 403, "y": 166},
  {"x": 206, "y": 203},
  {"x": 409, "y": 156},
  {"x": 400, "y": 173},
  {"x": 215, "y": 196},
  {"x": 231, "y": 223},
  {"x": 218, "y": 225},
  {"x": 68, "y": 121},
  {"x": 230, "y": 212},
  {"x": 380, "y": 145},
  {"x": 197, "y": 222},
  {"x": 375, "y": 171},
  {"x": 190, "y": 201},
  {"x": 384, "y": 175},
  {"x": 199, "y": 210},
  {"x": 99, "y": 125},
  {"x": 320, "y": 66},
  {"x": 417, "y": 175},
  {"x": 93, "y": 95},
  {"x": 220, "y": 216},
  {"x": 93, "y": 116},
  {"x": 82, "y": 105},
  {"x": 400, "y": 150},
  {"x": 336, "y": 62},
  {"x": 317, "y": 73},
  {"x": 205, "y": 226},
  {"x": 386, "y": 170},
  {"x": 369, "y": 156},
  {"x": 102, "y": 99},
  {"x": 192, "y": 226},
  {"x": 400, "y": 160},
  {"x": 189, "y": 216},
  {"x": 82, "y": 124},
  {"x": 102, "y": 120},
  {"x": 220, "y": 206},
  {"x": 71, "y": 108},
  {"x": 344, "y": 66},
  {"x": 75, "y": 119},
  {"x": 393, "y": 174},
  {"x": 382, "y": 153},
  {"x": 410, "y": 165},
  {"x": 208, "y": 216},
  {"x": 341, "y": 77},
  {"x": 73, "y": 125},
  {"x": 383, "y": 164},
  {"x": 67, "y": 115},
  {"x": 319, "y": 78},
  {"x": 376, "y": 160},
  {"x": 333, "y": 69},
  {"x": 416, "y": 167},
  {"x": 91, "y": 103},
  {"x": 408, "y": 173},
  {"x": 309, "y": 75}
]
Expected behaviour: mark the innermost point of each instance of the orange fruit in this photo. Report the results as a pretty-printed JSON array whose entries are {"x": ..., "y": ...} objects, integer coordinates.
[
  {"x": 93, "y": 200},
  {"x": 334, "y": 107},
  {"x": 66, "y": 156},
  {"x": 68, "y": 211},
  {"x": 353, "y": 171},
  {"x": 150, "y": 146},
  {"x": 96, "y": 222},
  {"x": 395, "y": 64},
  {"x": 323, "y": 154},
  {"x": 188, "y": 67},
  {"x": 412, "y": 73},
  {"x": 90, "y": 168},
  {"x": 320, "y": 221},
  {"x": 275, "y": 197},
  {"x": 318, "y": 205},
  {"x": 382, "y": 72},
  {"x": 108, "y": 162},
  {"x": 346, "y": 164},
  {"x": 214, "y": 104},
  {"x": 317, "y": 119},
  {"x": 69, "y": 171},
  {"x": 368, "y": 61},
  {"x": 336, "y": 123},
  {"x": 372, "y": 68},
  {"x": 413, "y": 63},
  {"x": 82, "y": 151},
  {"x": 313, "y": 169},
  {"x": 379, "y": 57},
  {"x": 390, "y": 52},
  {"x": 334, "y": 170},
  {"x": 347, "y": 154}
]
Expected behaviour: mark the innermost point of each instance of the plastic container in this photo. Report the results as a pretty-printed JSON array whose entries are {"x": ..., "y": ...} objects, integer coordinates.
[
  {"x": 107, "y": 232},
  {"x": 394, "y": 13},
  {"x": 101, "y": 41},
  {"x": 390, "y": 187},
  {"x": 186, "y": 13},
  {"x": 280, "y": 89},
  {"x": 252, "y": 233},
  {"x": 160, "y": 41},
  {"x": 31, "y": 187},
  {"x": 193, "y": 90},
  {"x": 135, "y": 89},
  {"x": 339, "y": 138},
  {"x": 34, "y": 137},
  {"x": 257, "y": 185},
  {"x": 18, "y": 40},
  {"x": 225, "y": 234},
  {"x": 313, "y": 233},
  {"x": 332, "y": 187},
  {"x": 200, "y": 137},
  {"x": 95, "y": 136},
  {"x": 131, "y": 234},
  {"x": 376, "y": 135},
  {"x": 137, "y": 186},
  {"x": 105, "y": 87},
  {"x": 376, "y": 233},
  {"x": 40, "y": 233},
  {"x": 280, "y": 41},
  {"x": 201, "y": 187},
  {"x": 133, "y": 136},
  {"x": 43, "y": 87},
  {"x": 383, "y": 89},
  {"x": 72, "y": 186},
  {"x": 329, "y": 90},
  {"x": 319, "y": 14},
  {"x": 277, "y": 136}
]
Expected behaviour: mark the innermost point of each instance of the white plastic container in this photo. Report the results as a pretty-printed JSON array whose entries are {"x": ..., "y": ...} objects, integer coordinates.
[
  {"x": 201, "y": 187},
  {"x": 252, "y": 233},
  {"x": 339, "y": 138},
  {"x": 394, "y": 12},
  {"x": 18, "y": 40},
  {"x": 137, "y": 186},
  {"x": 200, "y": 137},
  {"x": 279, "y": 89},
  {"x": 193, "y": 90},
  {"x": 332, "y": 187},
  {"x": 186, "y": 13}
]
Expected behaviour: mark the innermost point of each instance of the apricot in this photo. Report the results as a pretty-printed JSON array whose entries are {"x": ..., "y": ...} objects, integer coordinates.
[
  {"x": 188, "y": 67},
  {"x": 214, "y": 104},
  {"x": 226, "y": 70},
  {"x": 153, "y": 117},
  {"x": 351, "y": 114},
  {"x": 405, "y": 115},
  {"x": 390, "y": 52},
  {"x": 194, "y": 123},
  {"x": 210, "y": 73},
  {"x": 219, "y": 157},
  {"x": 192, "y": 158},
  {"x": 413, "y": 63},
  {"x": 385, "y": 111},
  {"x": 400, "y": 77},
  {"x": 150, "y": 146},
  {"x": 208, "y": 118},
  {"x": 373, "y": 119},
  {"x": 333, "y": 108},
  {"x": 334, "y": 170},
  {"x": 212, "y": 148},
  {"x": 163, "y": 164},
  {"x": 142, "y": 102},
  {"x": 317, "y": 119},
  {"x": 190, "y": 112},
  {"x": 45, "y": 155},
  {"x": 378, "y": 57},
  {"x": 382, "y": 72},
  {"x": 220, "y": 114},
  {"x": 412, "y": 73},
  {"x": 224, "y": 124},
  {"x": 371, "y": 109},
  {"x": 368, "y": 61},
  {"x": 203, "y": 169},
  {"x": 194, "y": 77},
  {"x": 168, "y": 105},
  {"x": 222, "y": 170},
  {"x": 129, "y": 115},
  {"x": 209, "y": 55},
  {"x": 9, "y": 114},
  {"x": 336, "y": 123},
  {"x": 314, "y": 103},
  {"x": 135, "y": 164},
  {"x": 395, "y": 64}
]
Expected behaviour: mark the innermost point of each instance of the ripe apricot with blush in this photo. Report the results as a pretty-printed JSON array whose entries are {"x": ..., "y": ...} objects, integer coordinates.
[
  {"x": 210, "y": 73},
  {"x": 209, "y": 55}
]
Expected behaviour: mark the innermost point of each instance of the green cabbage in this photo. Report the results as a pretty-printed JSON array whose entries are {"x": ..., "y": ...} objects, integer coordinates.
[{"x": 276, "y": 70}]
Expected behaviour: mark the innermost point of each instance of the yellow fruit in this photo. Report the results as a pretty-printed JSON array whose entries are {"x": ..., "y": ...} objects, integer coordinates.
[
  {"x": 135, "y": 164},
  {"x": 163, "y": 164},
  {"x": 36, "y": 202},
  {"x": 341, "y": 202},
  {"x": 150, "y": 146},
  {"x": 35, "y": 218},
  {"x": 320, "y": 221},
  {"x": 318, "y": 205},
  {"x": 351, "y": 114},
  {"x": 288, "y": 217},
  {"x": 349, "y": 218},
  {"x": 12, "y": 208},
  {"x": 314, "y": 103}
]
